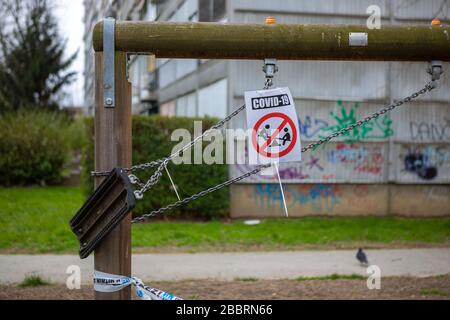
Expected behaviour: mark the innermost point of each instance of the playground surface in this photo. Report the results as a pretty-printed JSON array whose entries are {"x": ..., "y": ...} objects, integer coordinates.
[{"x": 391, "y": 288}]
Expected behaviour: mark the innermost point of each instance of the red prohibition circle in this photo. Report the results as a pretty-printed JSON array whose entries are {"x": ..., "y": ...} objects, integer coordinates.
[{"x": 285, "y": 151}]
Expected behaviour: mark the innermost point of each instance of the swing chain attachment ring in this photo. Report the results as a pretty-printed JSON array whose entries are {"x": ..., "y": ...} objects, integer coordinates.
[
  {"x": 435, "y": 69},
  {"x": 270, "y": 68},
  {"x": 133, "y": 179},
  {"x": 138, "y": 195}
]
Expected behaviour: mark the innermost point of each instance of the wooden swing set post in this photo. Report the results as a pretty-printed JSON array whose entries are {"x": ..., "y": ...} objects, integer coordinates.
[
  {"x": 226, "y": 41},
  {"x": 113, "y": 149}
]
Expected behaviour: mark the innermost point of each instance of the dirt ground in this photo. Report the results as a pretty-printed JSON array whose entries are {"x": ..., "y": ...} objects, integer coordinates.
[{"x": 391, "y": 288}]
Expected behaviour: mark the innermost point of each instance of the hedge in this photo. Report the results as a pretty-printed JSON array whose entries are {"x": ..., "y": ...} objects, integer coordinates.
[
  {"x": 151, "y": 140},
  {"x": 34, "y": 147}
]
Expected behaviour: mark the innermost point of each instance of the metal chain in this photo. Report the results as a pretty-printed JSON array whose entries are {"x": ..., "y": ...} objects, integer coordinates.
[
  {"x": 214, "y": 127},
  {"x": 139, "y": 194},
  {"x": 268, "y": 84},
  {"x": 200, "y": 194},
  {"x": 161, "y": 161},
  {"x": 135, "y": 180},
  {"x": 269, "y": 69},
  {"x": 427, "y": 88},
  {"x": 131, "y": 169}
]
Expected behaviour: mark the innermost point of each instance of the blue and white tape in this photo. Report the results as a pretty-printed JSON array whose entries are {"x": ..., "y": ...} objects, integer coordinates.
[{"x": 106, "y": 282}]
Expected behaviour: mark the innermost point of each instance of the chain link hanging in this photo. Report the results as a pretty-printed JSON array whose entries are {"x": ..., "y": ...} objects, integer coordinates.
[
  {"x": 161, "y": 161},
  {"x": 427, "y": 88}
]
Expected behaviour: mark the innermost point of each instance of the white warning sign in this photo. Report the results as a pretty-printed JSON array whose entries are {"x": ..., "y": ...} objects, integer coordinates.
[{"x": 274, "y": 134}]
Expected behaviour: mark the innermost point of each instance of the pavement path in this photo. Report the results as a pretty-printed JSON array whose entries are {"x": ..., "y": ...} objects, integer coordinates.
[{"x": 229, "y": 266}]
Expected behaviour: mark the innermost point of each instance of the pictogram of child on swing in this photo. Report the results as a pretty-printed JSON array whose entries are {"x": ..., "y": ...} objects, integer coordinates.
[{"x": 265, "y": 133}]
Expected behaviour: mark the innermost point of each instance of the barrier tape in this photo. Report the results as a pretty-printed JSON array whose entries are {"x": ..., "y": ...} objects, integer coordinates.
[{"x": 106, "y": 282}]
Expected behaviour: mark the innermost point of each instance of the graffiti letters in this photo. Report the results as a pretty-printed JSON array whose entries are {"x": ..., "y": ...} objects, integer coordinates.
[
  {"x": 378, "y": 128},
  {"x": 425, "y": 131},
  {"x": 286, "y": 173},
  {"x": 336, "y": 162},
  {"x": 317, "y": 198},
  {"x": 310, "y": 129},
  {"x": 358, "y": 157},
  {"x": 322, "y": 198},
  {"x": 268, "y": 196},
  {"x": 293, "y": 173},
  {"x": 314, "y": 163}
]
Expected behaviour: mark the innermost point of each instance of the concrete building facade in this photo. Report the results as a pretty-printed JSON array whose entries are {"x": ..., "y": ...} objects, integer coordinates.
[
  {"x": 399, "y": 164},
  {"x": 95, "y": 11}
]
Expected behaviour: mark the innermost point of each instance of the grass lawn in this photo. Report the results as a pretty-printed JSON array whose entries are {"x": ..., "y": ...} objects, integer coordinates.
[{"x": 35, "y": 220}]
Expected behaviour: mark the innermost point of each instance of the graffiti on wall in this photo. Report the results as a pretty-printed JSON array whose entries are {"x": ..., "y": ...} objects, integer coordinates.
[
  {"x": 336, "y": 161},
  {"x": 354, "y": 159},
  {"x": 379, "y": 128},
  {"x": 311, "y": 128},
  {"x": 313, "y": 163},
  {"x": 426, "y": 162},
  {"x": 430, "y": 131},
  {"x": 321, "y": 197},
  {"x": 295, "y": 172},
  {"x": 359, "y": 158},
  {"x": 314, "y": 198}
]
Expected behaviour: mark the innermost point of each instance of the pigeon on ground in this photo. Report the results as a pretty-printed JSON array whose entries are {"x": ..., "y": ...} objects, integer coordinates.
[{"x": 361, "y": 256}]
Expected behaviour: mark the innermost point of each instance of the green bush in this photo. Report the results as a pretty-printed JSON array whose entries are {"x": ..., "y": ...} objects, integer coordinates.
[
  {"x": 34, "y": 147},
  {"x": 76, "y": 134},
  {"x": 151, "y": 141}
]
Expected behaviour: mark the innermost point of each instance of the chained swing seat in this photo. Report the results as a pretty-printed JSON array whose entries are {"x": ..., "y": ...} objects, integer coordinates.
[{"x": 103, "y": 211}]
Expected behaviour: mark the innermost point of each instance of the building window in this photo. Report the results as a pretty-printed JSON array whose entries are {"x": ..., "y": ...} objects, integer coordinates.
[
  {"x": 187, "y": 105},
  {"x": 212, "y": 10},
  {"x": 168, "y": 109},
  {"x": 184, "y": 67},
  {"x": 212, "y": 100},
  {"x": 185, "y": 12},
  {"x": 171, "y": 70},
  {"x": 167, "y": 73}
]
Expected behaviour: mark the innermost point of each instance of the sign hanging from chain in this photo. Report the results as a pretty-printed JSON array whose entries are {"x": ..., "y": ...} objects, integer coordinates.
[{"x": 275, "y": 132}]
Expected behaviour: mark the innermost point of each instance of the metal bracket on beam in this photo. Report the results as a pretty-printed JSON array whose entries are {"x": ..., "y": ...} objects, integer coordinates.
[
  {"x": 109, "y": 50},
  {"x": 435, "y": 69},
  {"x": 270, "y": 68}
]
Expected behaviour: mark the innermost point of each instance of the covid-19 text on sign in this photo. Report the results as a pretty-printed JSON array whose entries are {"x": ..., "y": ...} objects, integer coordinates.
[
  {"x": 281, "y": 100},
  {"x": 272, "y": 121}
]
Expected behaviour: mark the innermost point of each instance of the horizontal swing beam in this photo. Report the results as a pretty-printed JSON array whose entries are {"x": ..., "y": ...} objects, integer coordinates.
[{"x": 280, "y": 41}]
